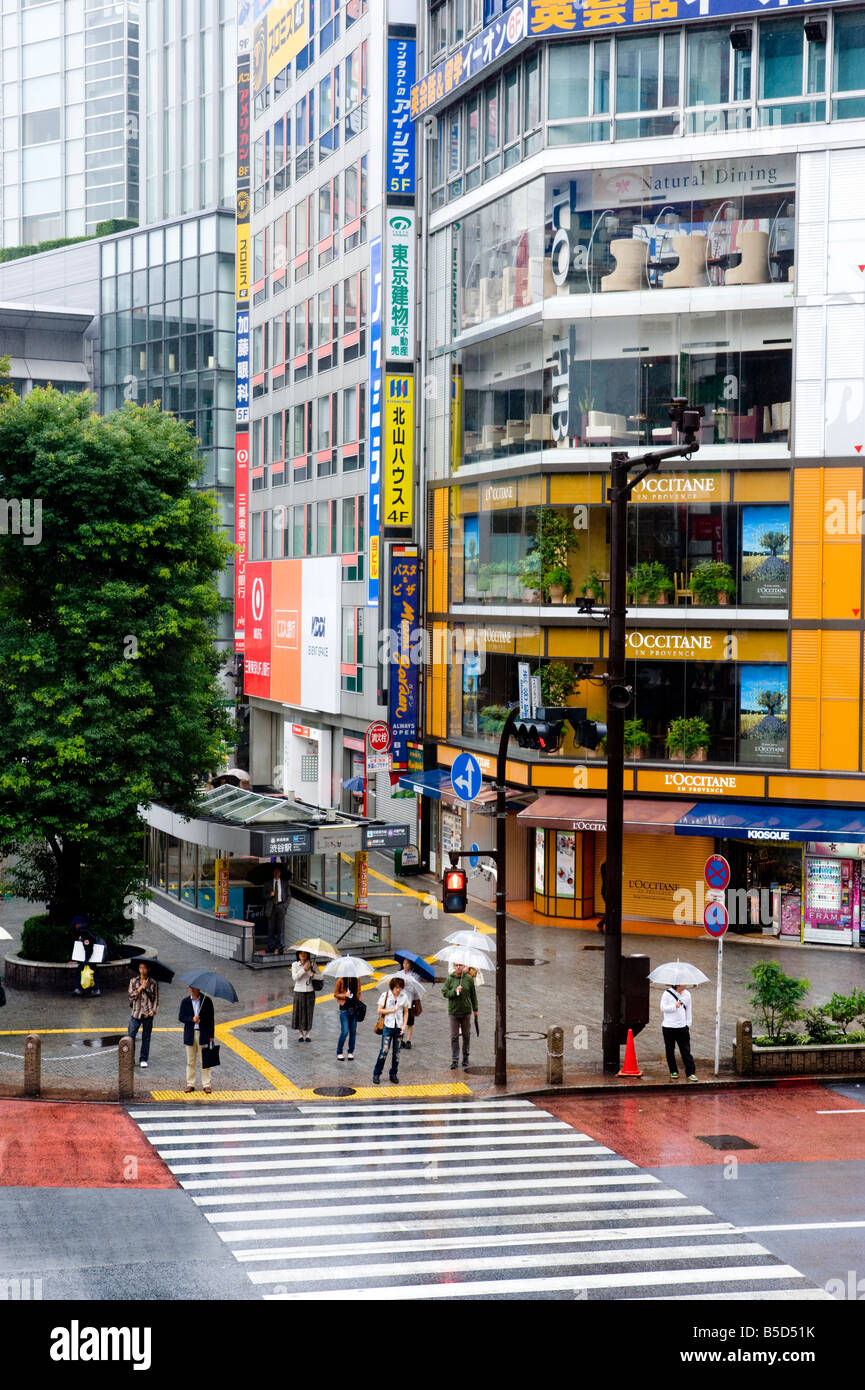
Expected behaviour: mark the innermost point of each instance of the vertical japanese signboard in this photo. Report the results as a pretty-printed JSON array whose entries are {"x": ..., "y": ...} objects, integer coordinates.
[
  {"x": 403, "y": 683},
  {"x": 375, "y": 389},
  {"x": 221, "y": 887},
  {"x": 241, "y": 536},
  {"x": 241, "y": 350},
  {"x": 398, "y": 450},
  {"x": 399, "y": 299},
  {"x": 400, "y": 134}
]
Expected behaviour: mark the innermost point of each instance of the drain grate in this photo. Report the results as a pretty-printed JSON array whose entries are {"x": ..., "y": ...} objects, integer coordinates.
[
  {"x": 334, "y": 1091},
  {"x": 593, "y": 948},
  {"x": 261, "y": 1027},
  {"x": 725, "y": 1141},
  {"x": 110, "y": 1040},
  {"x": 526, "y": 960}
]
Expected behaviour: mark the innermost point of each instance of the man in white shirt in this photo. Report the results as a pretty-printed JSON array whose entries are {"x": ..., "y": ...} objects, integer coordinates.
[{"x": 676, "y": 1027}]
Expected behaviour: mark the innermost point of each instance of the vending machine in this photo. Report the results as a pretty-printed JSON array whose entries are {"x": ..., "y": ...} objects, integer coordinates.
[{"x": 831, "y": 901}]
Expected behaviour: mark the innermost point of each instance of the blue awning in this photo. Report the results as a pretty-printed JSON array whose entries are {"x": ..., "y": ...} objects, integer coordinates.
[
  {"x": 735, "y": 820},
  {"x": 431, "y": 783}
]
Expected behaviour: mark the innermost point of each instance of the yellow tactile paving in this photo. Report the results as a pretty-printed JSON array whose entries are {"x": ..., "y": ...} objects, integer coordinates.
[{"x": 456, "y": 1088}]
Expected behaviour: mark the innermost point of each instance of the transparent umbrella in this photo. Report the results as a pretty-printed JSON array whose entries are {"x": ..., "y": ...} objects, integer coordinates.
[
  {"x": 413, "y": 987},
  {"x": 678, "y": 972},
  {"x": 348, "y": 968},
  {"x": 472, "y": 938},
  {"x": 465, "y": 955}
]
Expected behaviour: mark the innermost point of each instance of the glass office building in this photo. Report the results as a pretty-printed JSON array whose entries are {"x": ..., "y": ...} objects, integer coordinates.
[
  {"x": 188, "y": 80},
  {"x": 70, "y": 117},
  {"x": 167, "y": 320}
]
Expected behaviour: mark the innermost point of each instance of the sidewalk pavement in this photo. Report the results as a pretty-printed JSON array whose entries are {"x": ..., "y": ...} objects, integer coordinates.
[{"x": 555, "y": 978}]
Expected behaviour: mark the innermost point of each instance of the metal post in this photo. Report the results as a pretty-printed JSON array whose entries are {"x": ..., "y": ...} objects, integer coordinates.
[
  {"x": 615, "y": 761},
  {"x": 33, "y": 1065},
  {"x": 126, "y": 1068},
  {"x": 718, "y": 1004},
  {"x": 501, "y": 1075}
]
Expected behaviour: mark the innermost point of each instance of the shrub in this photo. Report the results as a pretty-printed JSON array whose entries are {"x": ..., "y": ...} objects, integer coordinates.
[
  {"x": 44, "y": 940},
  {"x": 688, "y": 735},
  {"x": 710, "y": 578},
  {"x": 636, "y": 736},
  {"x": 650, "y": 577},
  {"x": 558, "y": 681},
  {"x": 819, "y": 1026},
  {"x": 844, "y": 1009},
  {"x": 776, "y": 996}
]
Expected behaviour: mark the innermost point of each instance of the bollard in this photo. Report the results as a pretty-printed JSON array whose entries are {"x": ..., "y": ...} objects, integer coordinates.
[
  {"x": 555, "y": 1056},
  {"x": 33, "y": 1065},
  {"x": 126, "y": 1068}
]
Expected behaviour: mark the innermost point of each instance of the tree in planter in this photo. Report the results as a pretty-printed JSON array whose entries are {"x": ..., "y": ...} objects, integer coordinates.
[
  {"x": 650, "y": 583},
  {"x": 685, "y": 737},
  {"x": 637, "y": 741},
  {"x": 530, "y": 573},
  {"x": 558, "y": 681},
  {"x": 558, "y": 580},
  {"x": 712, "y": 582},
  {"x": 594, "y": 586},
  {"x": 555, "y": 541},
  {"x": 844, "y": 1009},
  {"x": 777, "y": 997},
  {"x": 109, "y": 690}
]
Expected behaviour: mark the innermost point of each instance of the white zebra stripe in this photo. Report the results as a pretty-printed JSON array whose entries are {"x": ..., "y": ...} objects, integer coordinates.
[
  {"x": 407, "y": 1188},
  {"x": 499, "y": 1148},
  {"x": 359, "y": 1175},
  {"x": 306, "y": 1212}
]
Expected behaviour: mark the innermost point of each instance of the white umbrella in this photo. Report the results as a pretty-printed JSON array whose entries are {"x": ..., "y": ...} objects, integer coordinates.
[
  {"x": 475, "y": 939},
  {"x": 413, "y": 987},
  {"x": 465, "y": 955},
  {"x": 678, "y": 972},
  {"x": 348, "y": 968}
]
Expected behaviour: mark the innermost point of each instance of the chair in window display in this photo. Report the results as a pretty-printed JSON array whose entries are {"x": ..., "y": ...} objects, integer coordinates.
[
  {"x": 492, "y": 438},
  {"x": 683, "y": 593},
  {"x": 630, "y": 255},
  {"x": 776, "y": 418},
  {"x": 491, "y": 293},
  {"x": 742, "y": 429},
  {"x": 540, "y": 429},
  {"x": 605, "y": 427},
  {"x": 515, "y": 434},
  {"x": 753, "y": 269},
  {"x": 471, "y": 306},
  {"x": 692, "y": 271}
]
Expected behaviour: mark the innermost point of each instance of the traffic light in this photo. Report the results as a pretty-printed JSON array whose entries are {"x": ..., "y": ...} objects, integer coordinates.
[
  {"x": 588, "y": 733},
  {"x": 454, "y": 891},
  {"x": 543, "y": 731}
]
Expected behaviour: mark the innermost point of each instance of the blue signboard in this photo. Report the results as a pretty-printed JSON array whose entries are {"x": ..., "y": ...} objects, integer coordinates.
[
  {"x": 375, "y": 414},
  {"x": 400, "y": 139},
  {"x": 539, "y": 19},
  {"x": 241, "y": 371},
  {"x": 403, "y": 684},
  {"x": 466, "y": 777}
]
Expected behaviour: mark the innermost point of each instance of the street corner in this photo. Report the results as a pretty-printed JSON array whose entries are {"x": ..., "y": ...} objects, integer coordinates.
[{"x": 48, "y": 1144}]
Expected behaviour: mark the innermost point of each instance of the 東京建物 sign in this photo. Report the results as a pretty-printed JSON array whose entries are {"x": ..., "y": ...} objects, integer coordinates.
[{"x": 399, "y": 250}]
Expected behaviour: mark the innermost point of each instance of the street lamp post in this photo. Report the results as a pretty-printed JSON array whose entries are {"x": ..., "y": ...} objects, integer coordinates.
[{"x": 619, "y": 696}]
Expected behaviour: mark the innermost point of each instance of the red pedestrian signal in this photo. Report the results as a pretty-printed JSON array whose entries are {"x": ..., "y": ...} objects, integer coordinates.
[{"x": 455, "y": 891}]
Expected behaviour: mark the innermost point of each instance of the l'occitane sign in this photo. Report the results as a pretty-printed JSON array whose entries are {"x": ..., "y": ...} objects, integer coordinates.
[
  {"x": 683, "y": 487},
  {"x": 679, "y": 646}
]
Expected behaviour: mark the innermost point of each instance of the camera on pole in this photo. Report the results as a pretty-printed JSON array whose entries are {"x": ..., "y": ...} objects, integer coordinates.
[{"x": 686, "y": 418}]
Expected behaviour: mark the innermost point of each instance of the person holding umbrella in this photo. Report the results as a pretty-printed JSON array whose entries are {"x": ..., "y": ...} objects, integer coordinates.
[
  {"x": 393, "y": 1012},
  {"x": 303, "y": 974},
  {"x": 676, "y": 1011},
  {"x": 196, "y": 1015},
  {"x": 459, "y": 990},
  {"x": 413, "y": 990},
  {"x": 346, "y": 993},
  {"x": 143, "y": 1003}
]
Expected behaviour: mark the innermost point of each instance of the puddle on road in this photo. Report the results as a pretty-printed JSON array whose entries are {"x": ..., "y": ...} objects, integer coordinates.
[{"x": 108, "y": 1040}]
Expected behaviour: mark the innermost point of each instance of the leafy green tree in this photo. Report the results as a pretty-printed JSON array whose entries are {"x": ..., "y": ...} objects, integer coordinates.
[
  {"x": 109, "y": 691},
  {"x": 774, "y": 541},
  {"x": 777, "y": 996},
  {"x": 844, "y": 1009},
  {"x": 771, "y": 700}
]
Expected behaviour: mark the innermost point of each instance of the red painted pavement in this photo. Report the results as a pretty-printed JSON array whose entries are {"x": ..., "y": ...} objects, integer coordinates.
[
  {"x": 65, "y": 1145},
  {"x": 657, "y": 1130}
]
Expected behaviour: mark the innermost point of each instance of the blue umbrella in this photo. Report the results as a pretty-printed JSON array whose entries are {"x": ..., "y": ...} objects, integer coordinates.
[
  {"x": 353, "y": 784},
  {"x": 422, "y": 967},
  {"x": 210, "y": 983}
]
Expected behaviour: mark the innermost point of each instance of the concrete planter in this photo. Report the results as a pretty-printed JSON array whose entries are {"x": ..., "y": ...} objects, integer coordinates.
[
  {"x": 45, "y": 975},
  {"x": 830, "y": 1059}
]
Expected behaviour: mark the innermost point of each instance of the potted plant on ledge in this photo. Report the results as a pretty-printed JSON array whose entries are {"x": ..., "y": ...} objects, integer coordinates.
[
  {"x": 688, "y": 740},
  {"x": 558, "y": 681},
  {"x": 650, "y": 583},
  {"x": 637, "y": 741},
  {"x": 530, "y": 574},
  {"x": 555, "y": 540},
  {"x": 712, "y": 583},
  {"x": 558, "y": 583},
  {"x": 594, "y": 587}
]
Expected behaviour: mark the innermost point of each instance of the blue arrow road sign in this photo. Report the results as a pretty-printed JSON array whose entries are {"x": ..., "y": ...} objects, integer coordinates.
[
  {"x": 474, "y": 856},
  {"x": 466, "y": 778}
]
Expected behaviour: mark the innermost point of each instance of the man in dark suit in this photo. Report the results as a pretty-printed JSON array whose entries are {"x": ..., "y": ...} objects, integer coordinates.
[
  {"x": 196, "y": 1015},
  {"x": 275, "y": 904}
]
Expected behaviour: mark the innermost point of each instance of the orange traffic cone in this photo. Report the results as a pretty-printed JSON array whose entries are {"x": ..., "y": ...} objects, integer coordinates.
[{"x": 630, "y": 1068}]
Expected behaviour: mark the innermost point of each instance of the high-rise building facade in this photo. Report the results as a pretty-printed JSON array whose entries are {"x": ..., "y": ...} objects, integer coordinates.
[
  {"x": 622, "y": 203},
  {"x": 314, "y": 581},
  {"x": 70, "y": 117},
  {"x": 188, "y": 75}
]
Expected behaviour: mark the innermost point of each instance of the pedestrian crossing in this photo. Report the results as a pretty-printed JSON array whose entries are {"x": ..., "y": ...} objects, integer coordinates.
[{"x": 447, "y": 1200}]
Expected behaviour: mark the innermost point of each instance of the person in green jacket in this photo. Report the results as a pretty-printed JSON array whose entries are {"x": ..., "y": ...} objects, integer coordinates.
[{"x": 459, "y": 990}]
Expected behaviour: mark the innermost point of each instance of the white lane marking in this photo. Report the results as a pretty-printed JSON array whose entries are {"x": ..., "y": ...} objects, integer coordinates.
[
  {"x": 417, "y": 1106},
  {"x": 358, "y": 1175},
  {"x": 168, "y": 1150},
  {"x": 7, "y": 936},
  {"x": 809, "y": 1226},
  {"x": 372, "y": 1155},
  {"x": 601, "y": 1179},
  {"x": 513, "y": 1220},
  {"x": 858, "y": 1111},
  {"x": 483, "y": 1288},
  {"x": 302, "y": 1211},
  {"x": 144, "y": 1115},
  {"x": 388, "y": 1246},
  {"x": 531, "y": 1260},
  {"x": 378, "y": 1132}
]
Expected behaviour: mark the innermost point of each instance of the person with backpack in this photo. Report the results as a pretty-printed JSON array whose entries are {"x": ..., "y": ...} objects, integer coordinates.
[{"x": 676, "y": 1028}]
